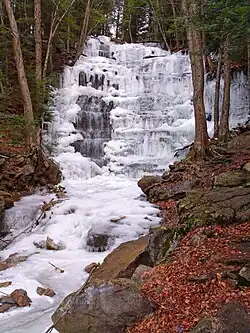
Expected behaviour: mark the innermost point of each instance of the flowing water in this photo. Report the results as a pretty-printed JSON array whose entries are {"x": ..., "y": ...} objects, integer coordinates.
[{"x": 121, "y": 112}]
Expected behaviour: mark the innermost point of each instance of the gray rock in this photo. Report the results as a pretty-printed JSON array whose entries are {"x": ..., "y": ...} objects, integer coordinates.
[
  {"x": 230, "y": 179},
  {"x": 102, "y": 307},
  {"x": 160, "y": 242},
  {"x": 146, "y": 182},
  {"x": 98, "y": 240},
  {"x": 138, "y": 277},
  {"x": 245, "y": 273},
  {"x": 232, "y": 318},
  {"x": 203, "y": 326}
]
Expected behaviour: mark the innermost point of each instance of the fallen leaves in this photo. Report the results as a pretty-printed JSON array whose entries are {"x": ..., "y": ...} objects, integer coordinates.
[{"x": 181, "y": 302}]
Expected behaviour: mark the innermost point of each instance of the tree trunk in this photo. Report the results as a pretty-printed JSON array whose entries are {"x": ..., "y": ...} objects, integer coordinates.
[
  {"x": 224, "y": 121},
  {"x": 38, "y": 48},
  {"x": 27, "y": 104},
  {"x": 84, "y": 32},
  {"x": 217, "y": 98},
  {"x": 175, "y": 26},
  {"x": 248, "y": 73},
  {"x": 195, "y": 44}
]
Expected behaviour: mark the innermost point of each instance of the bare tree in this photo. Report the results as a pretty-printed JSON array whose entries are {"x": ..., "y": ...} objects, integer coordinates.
[
  {"x": 38, "y": 47},
  {"x": 56, "y": 21},
  {"x": 192, "y": 12},
  {"x": 27, "y": 104},
  {"x": 84, "y": 32},
  {"x": 175, "y": 25}
]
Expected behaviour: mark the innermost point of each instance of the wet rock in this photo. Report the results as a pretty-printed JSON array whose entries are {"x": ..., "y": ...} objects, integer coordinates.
[
  {"x": 102, "y": 306},
  {"x": 90, "y": 268},
  {"x": 122, "y": 262},
  {"x": 231, "y": 179},
  {"x": 52, "y": 245},
  {"x": 54, "y": 173},
  {"x": 45, "y": 292},
  {"x": 139, "y": 275},
  {"x": 160, "y": 242},
  {"x": 147, "y": 181},
  {"x": 204, "y": 326},
  {"x": 98, "y": 240}
]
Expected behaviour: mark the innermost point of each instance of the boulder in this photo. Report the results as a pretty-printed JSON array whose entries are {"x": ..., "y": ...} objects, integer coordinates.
[
  {"x": 231, "y": 179},
  {"x": 98, "y": 240},
  {"x": 146, "y": 182},
  {"x": 232, "y": 318},
  {"x": 160, "y": 243},
  {"x": 222, "y": 206},
  {"x": 139, "y": 276},
  {"x": 245, "y": 274},
  {"x": 166, "y": 191},
  {"x": 102, "y": 306},
  {"x": 122, "y": 262}
]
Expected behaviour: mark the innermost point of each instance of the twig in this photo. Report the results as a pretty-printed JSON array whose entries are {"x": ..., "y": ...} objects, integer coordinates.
[{"x": 57, "y": 268}]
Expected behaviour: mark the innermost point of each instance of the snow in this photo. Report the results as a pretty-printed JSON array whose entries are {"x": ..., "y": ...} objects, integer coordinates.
[{"x": 152, "y": 115}]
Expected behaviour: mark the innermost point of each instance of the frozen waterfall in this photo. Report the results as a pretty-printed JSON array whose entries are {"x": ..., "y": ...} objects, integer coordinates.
[
  {"x": 121, "y": 111},
  {"x": 130, "y": 105}
]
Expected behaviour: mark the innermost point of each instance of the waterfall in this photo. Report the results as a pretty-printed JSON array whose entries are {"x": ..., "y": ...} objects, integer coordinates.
[
  {"x": 121, "y": 111},
  {"x": 131, "y": 105}
]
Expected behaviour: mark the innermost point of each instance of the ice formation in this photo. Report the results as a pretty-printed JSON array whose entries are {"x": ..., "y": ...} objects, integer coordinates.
[{"x": 127, "y": 107}]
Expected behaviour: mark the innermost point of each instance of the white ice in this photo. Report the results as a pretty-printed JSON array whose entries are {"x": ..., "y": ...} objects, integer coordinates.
[{"x": 152, "y": 116}]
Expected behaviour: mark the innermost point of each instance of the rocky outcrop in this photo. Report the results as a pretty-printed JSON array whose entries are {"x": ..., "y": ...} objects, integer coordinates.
[
  {"x": 122, "y": 262},
  {"x": 161, "y": 241},
  {"x": 222, "y": 206},
  {"x": 146, "y": 182},
  {"x": 102, "y": 306}
]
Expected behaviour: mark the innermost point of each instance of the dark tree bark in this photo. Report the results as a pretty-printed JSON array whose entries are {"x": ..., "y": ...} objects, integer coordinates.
[
  {"x": 217, "y": 98},
  {"x": 224, "y": 121},
  {"x": 192, "y": 11},
  {"x": 23, "y": 83}
]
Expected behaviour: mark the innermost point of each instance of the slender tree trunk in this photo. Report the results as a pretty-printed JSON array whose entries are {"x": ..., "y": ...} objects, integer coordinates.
[
  {"x": 248, "y": 73},
  {"x": 217, "y": 98},
  {"x": 84, "y": 32},
  {"x": 175, "y": 26},
  {"x": 38, "y": 48},
  {"x": 27, "y": 104},
  {"x": 195, "y": 44},
  {"x": 224, "y": 121},
  {"x": 53, "y": 29}
]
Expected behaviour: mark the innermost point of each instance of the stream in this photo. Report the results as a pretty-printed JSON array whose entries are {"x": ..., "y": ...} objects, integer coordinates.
[{"x": 121, "y": 112}]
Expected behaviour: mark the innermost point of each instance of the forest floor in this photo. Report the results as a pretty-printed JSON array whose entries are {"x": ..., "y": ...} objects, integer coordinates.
[{"x": 208, "y": 207}]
